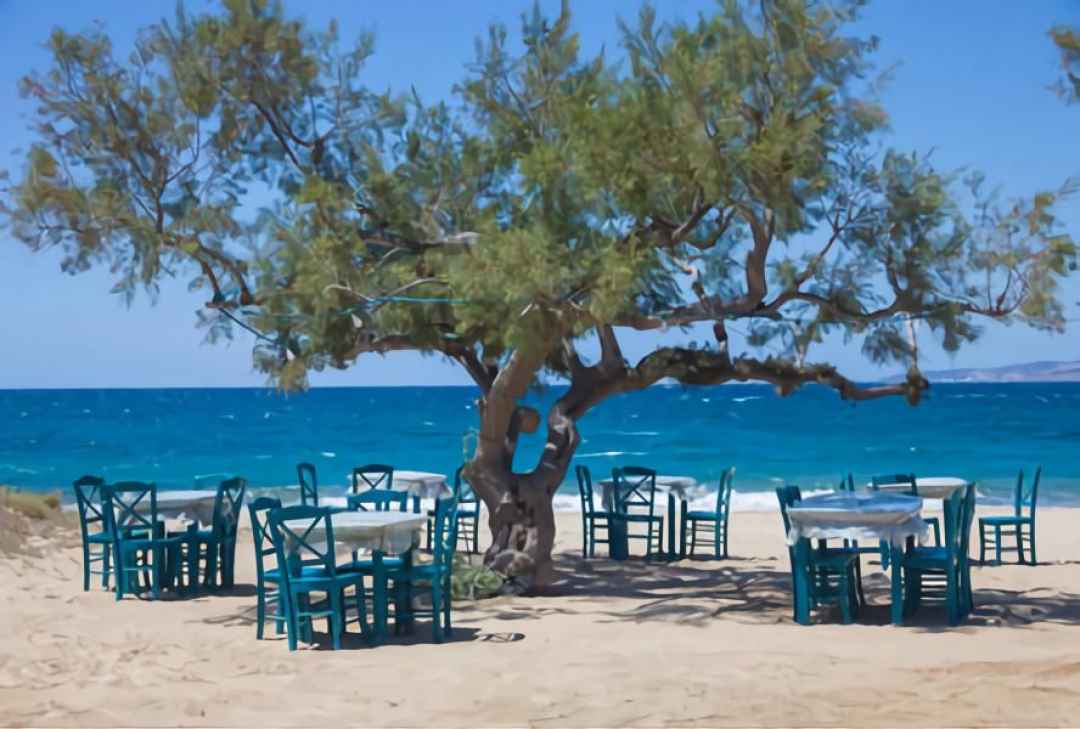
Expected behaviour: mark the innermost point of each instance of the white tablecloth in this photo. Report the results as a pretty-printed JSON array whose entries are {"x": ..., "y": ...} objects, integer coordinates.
[
  {"x": 418, "y": 483},
  {"x": 931, "y": 487},
  {"x": 196, "y": 504},
  {"x": 867, "y": 517},
  {"x": 680, "y": 486},
  {"x": 390, "y": 532}
]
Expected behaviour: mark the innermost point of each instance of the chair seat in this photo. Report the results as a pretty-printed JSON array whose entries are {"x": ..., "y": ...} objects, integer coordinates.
[
  {"x": 933, "y": 558},
  {"x": 637, "y": 517},
  {"x": 146, "y": 543},
  {"x": 1004, "y": 520},
  {"x": 367, "y": 566},
  {"x": 321, "y": 581},
  {"x": 702, "y": 515},
  {"x": 599, "y": 514},
  {"x": 274, "y": 575},
  {"x": 99, "y": 538}
]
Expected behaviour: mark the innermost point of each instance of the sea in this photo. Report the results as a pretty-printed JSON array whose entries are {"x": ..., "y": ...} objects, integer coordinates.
[{"x": 181, "y": 437}]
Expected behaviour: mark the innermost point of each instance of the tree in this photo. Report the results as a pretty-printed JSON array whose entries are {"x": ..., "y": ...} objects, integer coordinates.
[
  {"x": 1068, "y": 42},
  {"x": 723, "y": 170}
]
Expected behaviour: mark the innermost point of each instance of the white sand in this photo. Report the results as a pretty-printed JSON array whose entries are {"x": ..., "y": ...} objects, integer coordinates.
[{"x": 707, "y": 643}]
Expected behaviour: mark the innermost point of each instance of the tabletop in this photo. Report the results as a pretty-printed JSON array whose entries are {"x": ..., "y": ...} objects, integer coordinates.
[
  {"x": 197, "y": 504},
  {"x": 929, "y": 487},
  {"x": 875, "y": 515},
  {"x": 391, "y": 532},
  {"x": 679, "y": 485}
]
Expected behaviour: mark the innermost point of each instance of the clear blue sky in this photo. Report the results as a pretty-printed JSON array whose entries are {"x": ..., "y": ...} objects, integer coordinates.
[{"x": 971, "y": 85}]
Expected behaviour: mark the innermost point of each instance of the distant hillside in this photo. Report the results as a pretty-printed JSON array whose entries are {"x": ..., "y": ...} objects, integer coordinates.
[{"x": 1028, "y": 372}]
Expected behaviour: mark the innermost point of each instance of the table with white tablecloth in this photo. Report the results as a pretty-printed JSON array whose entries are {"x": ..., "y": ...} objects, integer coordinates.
[
  {"x": 928, "y": 487},
  {"x": 891, "y": 518},
  {"x": 672, "y": 486},
  {"x": 194, "y": 504}
]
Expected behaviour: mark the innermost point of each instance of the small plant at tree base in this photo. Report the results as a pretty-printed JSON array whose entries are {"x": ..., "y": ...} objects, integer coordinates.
[{"x": 725, "y": 170}]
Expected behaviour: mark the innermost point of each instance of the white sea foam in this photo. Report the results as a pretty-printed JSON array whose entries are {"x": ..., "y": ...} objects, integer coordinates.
[
  {"x": 635, "y": 432},
  {"x": 748, "y": 398},
  {"x": 612, "y": 454},
  {"x": 263, "y": 457},
  {"x": 328, "y": 454}
]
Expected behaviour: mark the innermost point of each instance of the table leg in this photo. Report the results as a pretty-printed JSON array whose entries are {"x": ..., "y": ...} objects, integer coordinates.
[
  {"x": 378, "y": 579},
  {"x": 682, "y": 532},
  {"x": 672, "y": 518},
  {"x": 897, "y": 607},
  {"x": 619, "y": 547}
]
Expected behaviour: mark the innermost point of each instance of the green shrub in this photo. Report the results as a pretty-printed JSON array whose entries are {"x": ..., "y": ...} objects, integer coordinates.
[
  {"x": 30, "y": 504},
  {"x": 473, "y": 582}
]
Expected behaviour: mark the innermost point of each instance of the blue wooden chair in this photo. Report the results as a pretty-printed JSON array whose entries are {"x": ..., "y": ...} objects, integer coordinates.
[
  {"x": 468, "y": 515},
  {"x": 818, "y": 576},
  {"x": 434, "y": 576},
  {"x": 97, "y": 541},
  {"x": 949, "y": 562},
  {"x": 907, "y": 479},
  {"x": 592, "y": 518},
  {"x": 378, "y": 500},
  {"x": 713, "y": 523},
  {"x": 267, "y": 579},
  {"x": 215, "y": 548},
  {"x": 307, "y": 566},
  {"x": 309, "y": 484},
  {"x": 372, "y": 476},
  {"x": 140, "y": 547},
  {"x": 1003, "y": 526},
  {"x": 635, "y": 503}
]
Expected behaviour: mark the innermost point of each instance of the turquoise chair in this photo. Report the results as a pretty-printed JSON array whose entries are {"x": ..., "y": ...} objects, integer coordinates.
[
  {"x": 1013, "y": 525},
  {"x": 468, "y": 514},
  {"x": 592, "y": 518},
  {"x": 949, "y": 563},
  {"x": 908, "y": 479},
  {"x": 715, "y": 522},
  {"x": 140, "y": 547},
  {"x": 267, "y": 579},
  {"x": 309, "y": 484},
  {"x": 378, "y": 500},
  {"x": 372, "y": 476},
  {"x": 96, "y": 539},
  {"x": 215, "y": 548},
  {"x": 818, "y": 576},
  {"x": 307, "y": 566},
  {"x": 434, "y": 576},
  {"x": 635, "y": 503}
]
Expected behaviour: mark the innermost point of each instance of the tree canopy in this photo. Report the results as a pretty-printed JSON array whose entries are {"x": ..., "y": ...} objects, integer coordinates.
[{"x": 723, "y": 169}]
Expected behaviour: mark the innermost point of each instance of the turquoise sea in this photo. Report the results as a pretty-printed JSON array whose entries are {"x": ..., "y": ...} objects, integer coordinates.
[{"x": 984, "y": 432}]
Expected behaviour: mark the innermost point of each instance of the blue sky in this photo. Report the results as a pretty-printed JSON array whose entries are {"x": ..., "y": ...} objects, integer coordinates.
[{"x": 971, "y": 85}]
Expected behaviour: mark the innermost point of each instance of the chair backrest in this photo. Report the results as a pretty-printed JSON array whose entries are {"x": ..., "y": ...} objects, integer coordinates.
[
  {"x": 89, "y": 496},
  {"x": 227, "y": 505},
  {"x": 129, "y": 505},
  {"x": 463, "y": 490},
  {"x": 723, "y": 492},
  {"x": 955, "y": 515},
  {"x": 969, "y": 517},
  {"x": 446, "y": 532},
  {"x": 908, "y": 479},
  {"x": 847, "y": 483},
  {"x": 303, "y": 536},
  {"x": 787, "y": 495},
  {"x": 309, "y": 484},
  {"x": 585, "y": 490},
  {"x": 635, "y": 488},
  {"x": 1029, "y": 496},
  {"x": 378, "y": 500},
  {"x": 372, "y": 476},
  {"x": 259, "y": 512}
]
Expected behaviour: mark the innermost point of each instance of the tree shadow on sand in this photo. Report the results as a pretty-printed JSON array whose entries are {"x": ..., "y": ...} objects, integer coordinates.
[{"x": 697, "y": 592}]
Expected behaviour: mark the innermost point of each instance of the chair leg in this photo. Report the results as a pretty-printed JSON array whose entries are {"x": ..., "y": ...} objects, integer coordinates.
[
  {"x": 260, "y": 611},
  {"x": 447, "y": 629},
  {"x": 86, "y": 568},
  {"x": 436, "y": 610},
  {"x": 291, "y": 619},
  {"x": 858, "y": 580},
  {"x": 997, "y": 544},
  {"x": 337, "y": 619},
  {"x": 1031, "y": 535},
  {"x": 717, "y": 541},
  {"x": 106, "y": 559},
  {"x": 982, "y": 544},
  {"x": 845, "y": 604},
  {"x": 1020, "y": 543}
]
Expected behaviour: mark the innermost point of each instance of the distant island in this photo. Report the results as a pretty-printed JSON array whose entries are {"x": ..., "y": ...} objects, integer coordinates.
[{"x": 1028, "y": 372}]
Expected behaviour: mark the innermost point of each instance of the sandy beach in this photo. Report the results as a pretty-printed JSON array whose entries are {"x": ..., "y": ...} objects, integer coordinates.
[{"x": 694, "y": 643}]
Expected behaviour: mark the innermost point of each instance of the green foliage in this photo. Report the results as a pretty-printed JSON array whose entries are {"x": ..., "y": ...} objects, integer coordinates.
[
  {"x": 473, "y": 582},
  {"x": 1068, "y": 42},
  {"x": 720, "y": 169}
]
